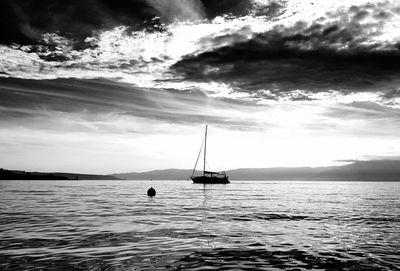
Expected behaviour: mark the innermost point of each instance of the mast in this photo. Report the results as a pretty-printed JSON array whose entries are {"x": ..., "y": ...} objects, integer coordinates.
[{"x": 205, "y": 151}]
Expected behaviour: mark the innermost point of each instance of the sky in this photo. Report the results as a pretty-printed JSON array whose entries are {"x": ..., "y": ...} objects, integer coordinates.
[{"x": 101, "y": 86}]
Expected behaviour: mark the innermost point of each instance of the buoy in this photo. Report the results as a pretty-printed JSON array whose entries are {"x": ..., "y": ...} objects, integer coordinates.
[{"x": 151, "y": 192}]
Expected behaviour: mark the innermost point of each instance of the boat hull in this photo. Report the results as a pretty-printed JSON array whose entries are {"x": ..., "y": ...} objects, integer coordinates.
[{"x": 210, "y": 180}]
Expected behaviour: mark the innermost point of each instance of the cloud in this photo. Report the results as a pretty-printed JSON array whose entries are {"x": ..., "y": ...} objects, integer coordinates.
[
  {"x": 347, "y": 50},
  {"x": 231, "y": 7},
  {"x": 92, "y": 100},
  {"x": 365, "y": 110},
  {"x": 178, "y": 10},
  {"x": 265, "y": 55},
  {"x": 25, "y": 21}
]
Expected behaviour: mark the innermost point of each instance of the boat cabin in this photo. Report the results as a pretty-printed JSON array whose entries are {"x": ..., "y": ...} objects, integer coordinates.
[{"x": 214, "y": 174}]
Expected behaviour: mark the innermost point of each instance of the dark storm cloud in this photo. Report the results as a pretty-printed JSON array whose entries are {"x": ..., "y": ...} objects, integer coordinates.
[
  {"x": 340, "y": 51},
  {"x": 25, "y": 21},
  {"x": 239, "y": 8},
  {"x": 24, "y": 99}
]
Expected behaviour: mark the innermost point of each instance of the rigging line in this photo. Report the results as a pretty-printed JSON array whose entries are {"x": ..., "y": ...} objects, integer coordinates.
[{"x": 198, "y": 156}]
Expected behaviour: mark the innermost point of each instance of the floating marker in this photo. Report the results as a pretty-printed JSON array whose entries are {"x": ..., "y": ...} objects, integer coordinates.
[{"x": 151, "y": 192}]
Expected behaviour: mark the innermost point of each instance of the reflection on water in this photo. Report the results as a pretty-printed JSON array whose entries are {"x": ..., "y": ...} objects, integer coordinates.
[{"x": 100, "y": 225}]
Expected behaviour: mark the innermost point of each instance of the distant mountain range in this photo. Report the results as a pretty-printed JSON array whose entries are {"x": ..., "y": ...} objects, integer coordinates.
[
  {"x": 375, "y": 170},
  {"x": 24, "y": 175}
]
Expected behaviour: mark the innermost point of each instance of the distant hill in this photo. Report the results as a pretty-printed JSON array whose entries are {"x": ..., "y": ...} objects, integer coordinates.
[
  {"x": 375, "y": 170},
  {"x": 382, "y": 170},
  {"x": 163, "y": 174},
  {"x": 24, "y": 175},
  {"x": 74, "y": 176}
]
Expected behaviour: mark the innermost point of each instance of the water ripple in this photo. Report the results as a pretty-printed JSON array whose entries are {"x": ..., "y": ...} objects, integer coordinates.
[{"x": 94, "y": 225}]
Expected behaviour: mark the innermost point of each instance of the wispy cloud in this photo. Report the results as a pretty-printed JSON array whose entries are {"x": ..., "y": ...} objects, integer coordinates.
[{"x": 28, "y": 98}]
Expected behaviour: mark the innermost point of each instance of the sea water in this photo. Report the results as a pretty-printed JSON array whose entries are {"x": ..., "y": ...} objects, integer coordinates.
[{"x": 245, "y": 225}]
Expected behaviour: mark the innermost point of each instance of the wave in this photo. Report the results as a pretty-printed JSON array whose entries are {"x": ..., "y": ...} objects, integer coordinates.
[
  {"x": 254, "y": 259},
  {"x": 271, "y": 216}
]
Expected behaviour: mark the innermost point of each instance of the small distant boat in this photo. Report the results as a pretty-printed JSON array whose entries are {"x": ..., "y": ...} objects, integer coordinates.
[{"x": 208, "y": 177}]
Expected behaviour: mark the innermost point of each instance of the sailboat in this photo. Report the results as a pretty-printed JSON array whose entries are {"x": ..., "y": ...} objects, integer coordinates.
[{"x": 208, "y": 177}]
